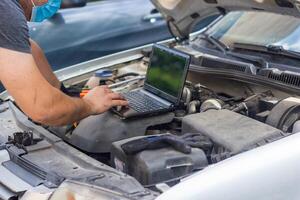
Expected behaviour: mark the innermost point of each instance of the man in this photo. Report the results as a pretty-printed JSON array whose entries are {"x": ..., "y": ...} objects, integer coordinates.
[{"x": 26, "y": 74}]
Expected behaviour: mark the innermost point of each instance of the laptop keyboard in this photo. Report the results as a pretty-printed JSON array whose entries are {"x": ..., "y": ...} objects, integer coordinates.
[{"x": 143, "y": 103}]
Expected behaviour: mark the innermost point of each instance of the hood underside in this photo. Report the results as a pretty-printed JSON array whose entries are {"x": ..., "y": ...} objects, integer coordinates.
[{"x": 182, "y": 15}]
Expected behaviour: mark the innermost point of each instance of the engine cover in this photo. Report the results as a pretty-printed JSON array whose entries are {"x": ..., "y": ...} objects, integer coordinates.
[
  {"x": 233, "y": 131},
  {"x": 95, "y": 134}
]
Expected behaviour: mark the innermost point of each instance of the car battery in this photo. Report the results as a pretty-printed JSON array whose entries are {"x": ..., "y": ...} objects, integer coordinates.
[{"x": 150, "y": 167}]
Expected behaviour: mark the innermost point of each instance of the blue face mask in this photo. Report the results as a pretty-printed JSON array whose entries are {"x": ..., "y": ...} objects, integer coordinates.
[{"x": 40, "y": 13}]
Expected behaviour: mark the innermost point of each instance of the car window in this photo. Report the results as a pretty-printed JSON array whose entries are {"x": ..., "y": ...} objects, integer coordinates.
[
  {"x": 204, "y": 22},
  {"x": 259, "y": 28}
]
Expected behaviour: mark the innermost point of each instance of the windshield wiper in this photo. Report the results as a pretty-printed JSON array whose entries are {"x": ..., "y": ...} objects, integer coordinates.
[
  {"x": 217, "y": 43},
  {"x": 270, "y": 49},
  {"x": 226, "y": 50}
]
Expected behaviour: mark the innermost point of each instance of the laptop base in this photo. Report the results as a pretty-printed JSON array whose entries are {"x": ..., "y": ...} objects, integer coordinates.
[{"x": 126, "y": 112}]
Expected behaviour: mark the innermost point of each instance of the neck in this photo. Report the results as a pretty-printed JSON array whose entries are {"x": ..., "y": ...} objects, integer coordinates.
[{"x": 27, "y": 8}]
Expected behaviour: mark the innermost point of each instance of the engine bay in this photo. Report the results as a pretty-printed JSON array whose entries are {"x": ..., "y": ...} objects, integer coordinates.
[
  {"x": 230, "y": 116},
  {"x": 227, "y": 108}
]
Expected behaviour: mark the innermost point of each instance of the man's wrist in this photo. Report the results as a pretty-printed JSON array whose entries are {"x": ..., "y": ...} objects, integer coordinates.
[{"x": 88, "y": 106}]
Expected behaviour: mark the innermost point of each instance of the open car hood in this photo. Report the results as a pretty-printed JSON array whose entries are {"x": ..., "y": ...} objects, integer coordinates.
[{"x": 182, "y": 15}]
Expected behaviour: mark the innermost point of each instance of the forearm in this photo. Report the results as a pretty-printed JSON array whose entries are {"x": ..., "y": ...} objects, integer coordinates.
[
  {"x": 44, "y": 102},
  {"x": 60, "y": 109},
  {"x": 37, "y": 98}
]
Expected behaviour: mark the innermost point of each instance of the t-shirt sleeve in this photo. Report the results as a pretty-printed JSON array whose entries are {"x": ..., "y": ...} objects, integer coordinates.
[{"x": 14, "y": 33}]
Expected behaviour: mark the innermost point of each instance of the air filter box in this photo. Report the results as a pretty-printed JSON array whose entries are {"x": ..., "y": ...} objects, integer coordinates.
[
  {"x": 232, "y": 131},
  {"x": 155, "y": 166}
]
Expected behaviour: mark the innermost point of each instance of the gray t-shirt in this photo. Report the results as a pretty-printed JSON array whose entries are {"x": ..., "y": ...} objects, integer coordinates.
[{"x": 13, "y": 27}]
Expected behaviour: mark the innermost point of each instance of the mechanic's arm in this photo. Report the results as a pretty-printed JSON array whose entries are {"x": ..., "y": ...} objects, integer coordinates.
[
  {"x": 41, "y": 101},
  {"x": 43, "y": 64}
]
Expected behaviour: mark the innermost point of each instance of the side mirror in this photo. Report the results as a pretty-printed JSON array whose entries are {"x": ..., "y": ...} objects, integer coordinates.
[{"x": 72, "y": 3}]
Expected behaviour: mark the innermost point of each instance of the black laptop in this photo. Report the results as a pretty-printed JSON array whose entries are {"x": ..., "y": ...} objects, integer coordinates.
[{"x": 163, "y": 86}]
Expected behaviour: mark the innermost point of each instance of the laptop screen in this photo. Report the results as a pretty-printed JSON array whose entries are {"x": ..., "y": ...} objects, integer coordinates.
[{"x": 167, "y": 71}]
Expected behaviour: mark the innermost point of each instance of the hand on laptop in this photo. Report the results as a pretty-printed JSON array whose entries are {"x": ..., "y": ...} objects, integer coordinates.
[{"x": 101, "y": 99}]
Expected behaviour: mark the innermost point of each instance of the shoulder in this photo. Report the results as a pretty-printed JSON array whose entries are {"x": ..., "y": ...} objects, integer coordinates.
[
  {"x": 11, "y": 6},
  {"x": 12, "y": 13},
  {"x": 14, "y": 32}
]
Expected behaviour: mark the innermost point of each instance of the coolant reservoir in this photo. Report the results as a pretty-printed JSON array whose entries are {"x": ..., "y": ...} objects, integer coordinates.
[{"x": 99, "y": 78}]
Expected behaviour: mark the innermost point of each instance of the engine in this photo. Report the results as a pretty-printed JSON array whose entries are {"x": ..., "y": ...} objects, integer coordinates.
[{"x": 230, "y": 123}]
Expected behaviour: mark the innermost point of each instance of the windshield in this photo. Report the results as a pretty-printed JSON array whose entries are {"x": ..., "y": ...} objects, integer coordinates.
[{"x": 258, "y": 28}]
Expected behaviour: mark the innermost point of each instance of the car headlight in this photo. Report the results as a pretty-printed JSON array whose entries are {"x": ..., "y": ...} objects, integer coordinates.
[{"x": 72, "y": 190}]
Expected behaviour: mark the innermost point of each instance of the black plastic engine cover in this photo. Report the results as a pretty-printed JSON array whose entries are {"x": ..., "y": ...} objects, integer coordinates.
[
  {"x": 150, "y": 167},
  {"x": 95, "y": 134}
]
